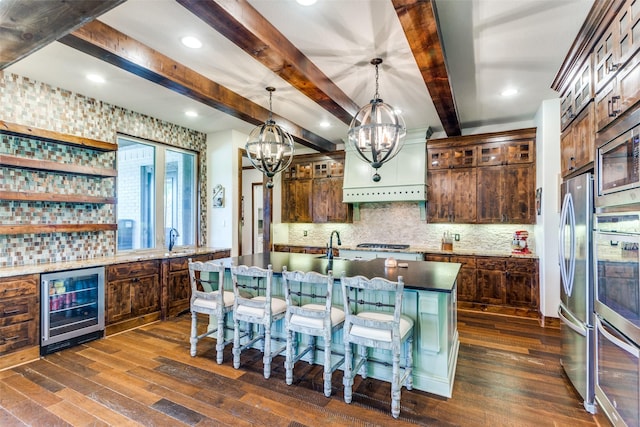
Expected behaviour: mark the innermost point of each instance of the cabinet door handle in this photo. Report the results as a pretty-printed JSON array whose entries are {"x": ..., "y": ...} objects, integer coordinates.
[
  {"x": 609, "y": 110},
  {"x": 614, "y": 100},
  {"x": 10, "y": 312},
  {"x": 613, "y": 67}
]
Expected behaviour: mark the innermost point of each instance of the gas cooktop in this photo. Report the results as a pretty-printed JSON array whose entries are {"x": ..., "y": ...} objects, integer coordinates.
[{"x": 382, "y": 246}]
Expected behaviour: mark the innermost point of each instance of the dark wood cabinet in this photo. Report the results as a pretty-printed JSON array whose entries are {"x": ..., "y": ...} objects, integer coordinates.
[
  {"x": 487, "y": 178},
  {"x": 506, "y": 194},
  {"x": 577, "y": 142},
  {"x": 19, "y": 318},
  {"x": 132, "y": 293},
  {"x": 452, "y": 195},
  {"x": 296, "y": 200},
  {"x": 466, "y": 282},
  {"x": 490, "y": 277},
  {"x": 505, "y": 285},
  {"x": 521, "y": 284},
  {"x": 312, "y": 190}
]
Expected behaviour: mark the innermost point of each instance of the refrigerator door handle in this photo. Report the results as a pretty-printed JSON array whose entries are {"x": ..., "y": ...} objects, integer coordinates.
[
  {"x": 568, "y": 214},
  {"x": 571, "y": 324}
]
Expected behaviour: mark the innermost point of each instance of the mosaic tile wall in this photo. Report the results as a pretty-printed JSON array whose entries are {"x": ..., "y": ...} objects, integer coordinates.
[
  {"x": 31, "y": 103},
  {"x": 400, "y": 223}
]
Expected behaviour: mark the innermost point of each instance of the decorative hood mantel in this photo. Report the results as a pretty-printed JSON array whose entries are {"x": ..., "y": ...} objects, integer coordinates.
[{"x": 403, "y": 178}]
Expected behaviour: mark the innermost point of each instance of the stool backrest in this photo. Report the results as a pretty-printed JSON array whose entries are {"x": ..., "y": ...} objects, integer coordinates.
[
  {"x": 201, "y": 284},
  {"x": 372, "y": 295},
  {"x": 308, "y": 288},
  {"x": 250, "y": 282}
]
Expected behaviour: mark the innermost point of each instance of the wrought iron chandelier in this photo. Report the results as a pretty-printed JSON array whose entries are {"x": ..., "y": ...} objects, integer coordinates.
[
  {"x": 377, "y": 131},
  {"x": 269, "y": 147}
]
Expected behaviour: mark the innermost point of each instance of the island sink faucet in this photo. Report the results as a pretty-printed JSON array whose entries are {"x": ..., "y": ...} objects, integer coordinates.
[
  {"x": 173, "y": 233},
  {"x": 330, "y": 247}
]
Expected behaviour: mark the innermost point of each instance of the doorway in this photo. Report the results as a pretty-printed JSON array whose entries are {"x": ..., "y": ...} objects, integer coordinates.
[{"x": 251, "y": 221}]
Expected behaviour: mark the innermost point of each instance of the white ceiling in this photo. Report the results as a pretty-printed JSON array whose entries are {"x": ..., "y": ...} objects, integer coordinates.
[{"x": 489, "y": 45}]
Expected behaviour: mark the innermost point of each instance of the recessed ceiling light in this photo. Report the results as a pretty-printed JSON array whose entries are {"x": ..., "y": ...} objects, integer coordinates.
[
  {"x": 192, "y": 42},
  {"x": 325, "y": 124},
  {"x": 191, "y": 113},
  {"x": 509, "y": 92},
  {"x": 95, "y": 78},
  {"x": 306, "y": 2}
]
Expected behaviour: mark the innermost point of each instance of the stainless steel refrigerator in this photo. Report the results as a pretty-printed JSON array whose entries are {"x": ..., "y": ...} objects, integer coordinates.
[{"x": 577, "y": 290}]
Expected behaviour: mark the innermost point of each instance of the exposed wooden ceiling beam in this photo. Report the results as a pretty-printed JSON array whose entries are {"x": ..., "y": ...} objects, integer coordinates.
[
  {"x": 420, "y": 23},
  {"x": 26, "y": 26},
  {"x": 242, "y": 24},
  {"x": 104, "y": 42}
]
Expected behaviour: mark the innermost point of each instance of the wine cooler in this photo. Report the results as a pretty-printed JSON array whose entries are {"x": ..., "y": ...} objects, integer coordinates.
[{"x": 72, "y": 308}]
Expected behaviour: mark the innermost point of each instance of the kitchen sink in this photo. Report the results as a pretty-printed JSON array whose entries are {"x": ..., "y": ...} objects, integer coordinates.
[{"x": 339, "y": 258}]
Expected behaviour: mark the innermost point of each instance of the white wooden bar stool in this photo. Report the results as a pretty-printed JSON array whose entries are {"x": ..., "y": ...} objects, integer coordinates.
[
  {"x": 204, "y": 276},
  {"x": 310, "y": 312},
  {"x": 253, "y": 308},
  {"x": 373, "y": 319}
]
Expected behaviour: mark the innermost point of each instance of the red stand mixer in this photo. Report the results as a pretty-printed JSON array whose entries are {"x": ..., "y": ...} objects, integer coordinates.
[{"x": 519, "y": 242}]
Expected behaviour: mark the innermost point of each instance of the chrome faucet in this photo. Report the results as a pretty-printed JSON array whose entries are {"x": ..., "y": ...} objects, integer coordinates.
[
  {"x": 173, "y": 233},
  {"x": 330, "y": 248}
]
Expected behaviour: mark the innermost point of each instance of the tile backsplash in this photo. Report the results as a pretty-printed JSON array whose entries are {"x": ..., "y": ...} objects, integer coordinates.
[
  {"x": 400, "y": 222},
  {"x": 31, "y": 103}
]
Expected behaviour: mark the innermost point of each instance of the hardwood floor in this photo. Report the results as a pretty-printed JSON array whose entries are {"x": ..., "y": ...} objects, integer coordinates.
[{"x": 508, "y": 374}]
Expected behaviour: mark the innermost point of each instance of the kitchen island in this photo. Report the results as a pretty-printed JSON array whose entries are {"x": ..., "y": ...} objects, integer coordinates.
[{"x": 429, "y": 298}]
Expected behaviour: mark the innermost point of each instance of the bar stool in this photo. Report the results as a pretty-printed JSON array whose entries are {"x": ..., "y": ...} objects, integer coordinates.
[
  {"x": 207, "y": 301},
  {"x": 313, "y": 315},
  {"x": 253, "y": 308},
  {"x": 373, "y": 319}
]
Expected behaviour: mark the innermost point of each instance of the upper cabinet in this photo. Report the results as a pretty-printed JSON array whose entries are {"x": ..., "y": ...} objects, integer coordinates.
[
  {"x": 599, "y": 80},
  {"x": 487, "y": 178},
  {"x": 312, "y": 190}
]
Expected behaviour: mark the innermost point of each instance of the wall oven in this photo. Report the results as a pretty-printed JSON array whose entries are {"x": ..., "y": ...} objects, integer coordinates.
[
  {"x": 72, "y": 308},
  {"x": 617, "y": 307}
]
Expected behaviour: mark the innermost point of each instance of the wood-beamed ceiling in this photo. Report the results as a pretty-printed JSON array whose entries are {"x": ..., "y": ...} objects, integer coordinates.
[{"x": 249, "y": 30}]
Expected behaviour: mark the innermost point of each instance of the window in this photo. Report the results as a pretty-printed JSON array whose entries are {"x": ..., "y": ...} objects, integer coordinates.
[{"x": 156, "y": 193}]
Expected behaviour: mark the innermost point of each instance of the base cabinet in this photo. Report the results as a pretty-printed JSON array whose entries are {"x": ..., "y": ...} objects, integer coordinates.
[
  {"x": 19, "y": 317},
  {"x": 133, "y": 294},
  {"x": 505, "y": 285}
]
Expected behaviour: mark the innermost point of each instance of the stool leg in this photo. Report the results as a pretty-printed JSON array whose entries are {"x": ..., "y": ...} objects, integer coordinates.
[
  {"x": 409, "y": 364},
  {"x": 395, "y": 384},
  {"x": 194, "y": 332},
  {"x": 288, "y": 363},
  {"x": 266, "y": 359},
  {"x": 348, "y": 373},
  {"x": 327, "y": 365},
  {"x": 364, "y": 351},
  {"x": 236, "y": 343},
  {"x": 220, "y": 338}
]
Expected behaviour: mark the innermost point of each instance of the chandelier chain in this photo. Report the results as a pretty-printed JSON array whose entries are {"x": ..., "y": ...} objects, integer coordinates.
[{"x": 377, "y": 94}]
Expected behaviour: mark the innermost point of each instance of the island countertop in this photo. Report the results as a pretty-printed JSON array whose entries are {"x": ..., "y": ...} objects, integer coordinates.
[{"x": 419, "y": 275}]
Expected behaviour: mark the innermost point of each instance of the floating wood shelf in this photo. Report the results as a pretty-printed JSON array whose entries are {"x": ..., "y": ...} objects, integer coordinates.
[
  {"x": 61, "y": 138},
  {"x": 48, "y": 165},
  {"x": 22, "y": 196},
  {"x": 54, "y": 228}
]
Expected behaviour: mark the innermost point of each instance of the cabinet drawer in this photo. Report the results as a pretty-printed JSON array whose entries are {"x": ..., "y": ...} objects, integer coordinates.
[
  {"x": 182, "y": 263},
  {"x": 123, "y": 271},
  {"x": 521, "y": 266},
  {"x": 437, "y": 258},
  {"x": 491, "y": 263},
  {"x": 16, "y": 336},
  {"x": 19, "y": 286},
  {"x": 15, "y": 310},
  {"x": 466, "y": 261}
]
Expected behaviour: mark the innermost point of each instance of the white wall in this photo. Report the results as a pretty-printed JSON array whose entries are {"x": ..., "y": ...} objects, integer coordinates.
[
  {"x": 222, "y": 168},
  {"x": 546, "y": 230}
]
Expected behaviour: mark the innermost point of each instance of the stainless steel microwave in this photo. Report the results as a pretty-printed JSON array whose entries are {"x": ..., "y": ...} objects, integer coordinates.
[{"x": 618, "y": 170}]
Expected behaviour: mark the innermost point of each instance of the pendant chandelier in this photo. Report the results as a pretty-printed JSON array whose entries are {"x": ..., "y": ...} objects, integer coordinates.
[
  {"x": 377, "y": 131},
  {"x": 269, "y": 147}
]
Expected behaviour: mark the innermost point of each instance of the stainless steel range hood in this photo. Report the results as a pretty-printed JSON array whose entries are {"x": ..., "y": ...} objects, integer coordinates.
[{"x": 403, "y": 178}]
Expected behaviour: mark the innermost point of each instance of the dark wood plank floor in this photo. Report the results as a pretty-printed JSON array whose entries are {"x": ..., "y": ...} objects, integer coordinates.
[{"x": 508, "y": 374}]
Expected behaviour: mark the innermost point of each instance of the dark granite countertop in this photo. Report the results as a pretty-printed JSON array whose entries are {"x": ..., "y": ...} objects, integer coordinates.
[{"x": 419, "y": 275}]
